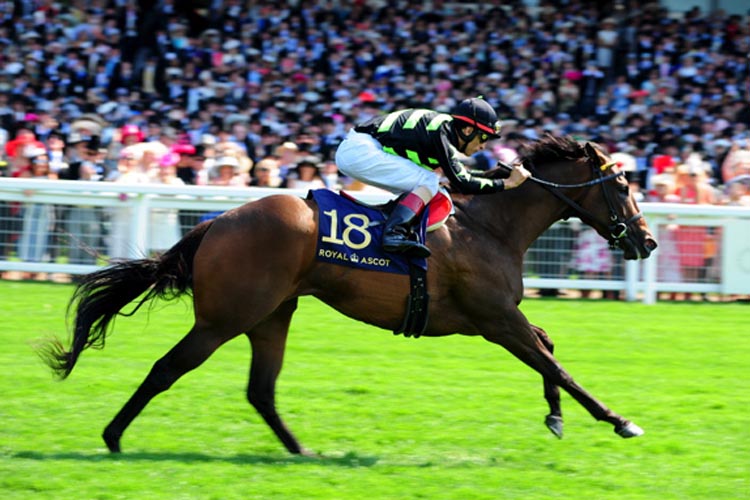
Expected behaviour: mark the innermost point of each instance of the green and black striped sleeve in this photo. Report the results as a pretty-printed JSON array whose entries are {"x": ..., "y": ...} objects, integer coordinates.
[{"x": 463, "y": 180}]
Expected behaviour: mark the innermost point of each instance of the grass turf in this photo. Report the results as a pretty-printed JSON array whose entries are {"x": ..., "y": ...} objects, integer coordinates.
[{"x": 451, "y": 418}]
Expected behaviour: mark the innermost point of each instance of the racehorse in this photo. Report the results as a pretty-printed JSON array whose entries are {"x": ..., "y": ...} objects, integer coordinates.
[{"x": 247, "y": 268}]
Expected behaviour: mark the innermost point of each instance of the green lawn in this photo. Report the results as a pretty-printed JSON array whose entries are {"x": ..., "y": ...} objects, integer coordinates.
[{"x": 394, "y": 418}]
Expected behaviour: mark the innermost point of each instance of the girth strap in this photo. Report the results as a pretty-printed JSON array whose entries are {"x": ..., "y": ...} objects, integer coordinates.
[{"x": 417, "y": 303}]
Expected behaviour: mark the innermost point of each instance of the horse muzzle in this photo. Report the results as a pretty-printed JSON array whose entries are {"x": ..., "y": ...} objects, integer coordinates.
[
  {"x": 637, "y": 250},
  {"x": 648, "y": 246},
  {"x": 633, "y": 237}
]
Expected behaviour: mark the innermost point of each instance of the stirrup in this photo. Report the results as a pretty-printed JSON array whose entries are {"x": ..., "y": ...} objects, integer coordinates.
[{"x": 407, "y": 247}]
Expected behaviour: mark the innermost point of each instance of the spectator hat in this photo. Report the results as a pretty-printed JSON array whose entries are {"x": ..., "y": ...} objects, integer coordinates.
[
  {"x": 625, "y": 161},
  {"x": 663, "y": 163},
  {"x": 694, "y": 165},
  {"x": 184, "y": 149},
  {"x": 131, "y": 130},
  {"x": 170, "y": 159},
  {"x": 106, "y": 108},
  {"x": 663, "y": 180},
  {"x": 30, "y": 34},
  {"x": 310, "y": 161},
  {"x": 128, "y": 152},
  {"x": 33, "y": 150},
  {"x": 231, "y": 44},
  {"x": 210, "y": 33},
  {"x": 76, "y": 138},
  {"x": 88, "y": 124},
  {"x": 228, "y": 161}
]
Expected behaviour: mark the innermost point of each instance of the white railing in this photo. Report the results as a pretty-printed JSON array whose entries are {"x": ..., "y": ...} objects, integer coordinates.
[{"x": 728, "y": 273}]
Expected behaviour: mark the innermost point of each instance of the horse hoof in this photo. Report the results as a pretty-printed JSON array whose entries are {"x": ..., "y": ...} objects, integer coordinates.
[
  {"x": 303, "y": 452},
  {"x": 629, "y": 430},
  {"x": 112, "y": 441},
  {"x": 555, "y": 424}
]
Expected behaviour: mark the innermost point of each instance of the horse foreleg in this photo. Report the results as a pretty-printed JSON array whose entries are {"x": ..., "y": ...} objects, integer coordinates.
[
  {"x": 268, "y": 342},
  {"x": 188, "y": 354},
  {"x": 522, "y": 341},
  {"x": 554, "y": 420}
]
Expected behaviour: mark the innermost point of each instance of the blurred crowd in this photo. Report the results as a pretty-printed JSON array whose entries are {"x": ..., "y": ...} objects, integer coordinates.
[
  {"x": 239, "y": 92},
  {"x": 260, "y": 93}
]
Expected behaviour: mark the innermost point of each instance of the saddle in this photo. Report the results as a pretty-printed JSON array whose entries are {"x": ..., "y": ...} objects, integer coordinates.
[
  {"x": 417, "y": 302},
  {"x": 437, "y": 212}
]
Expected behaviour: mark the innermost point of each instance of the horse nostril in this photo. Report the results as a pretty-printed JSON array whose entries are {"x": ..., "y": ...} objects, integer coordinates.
[{"x": 650, "y": 244}]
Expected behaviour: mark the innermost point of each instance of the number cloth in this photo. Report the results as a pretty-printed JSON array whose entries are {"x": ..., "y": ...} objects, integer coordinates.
[{"x": 349, "y": 234}]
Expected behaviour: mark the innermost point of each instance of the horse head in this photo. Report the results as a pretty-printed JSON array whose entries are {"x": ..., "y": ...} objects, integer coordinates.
[
  {"x": 602, "y": 199},
  {"x": 613, "y": 210}
]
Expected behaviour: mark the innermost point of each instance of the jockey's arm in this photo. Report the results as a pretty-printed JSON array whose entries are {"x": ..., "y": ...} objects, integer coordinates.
[{"x": 517, "y": 174}]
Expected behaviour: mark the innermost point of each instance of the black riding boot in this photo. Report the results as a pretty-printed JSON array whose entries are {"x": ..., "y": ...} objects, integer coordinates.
[{"x": 398, "y": 236}]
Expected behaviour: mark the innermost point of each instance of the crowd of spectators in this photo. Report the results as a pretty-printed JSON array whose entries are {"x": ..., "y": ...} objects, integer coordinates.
[
  {"x": 252, "y": 92},
  {"x": 263, "y": 76}
]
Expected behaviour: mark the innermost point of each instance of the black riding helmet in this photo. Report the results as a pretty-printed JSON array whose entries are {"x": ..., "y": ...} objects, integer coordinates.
[{"x": 478, "y": 113}]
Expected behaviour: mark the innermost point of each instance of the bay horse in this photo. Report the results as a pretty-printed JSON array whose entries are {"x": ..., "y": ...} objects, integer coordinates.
[{"x": 247, "y": 268}]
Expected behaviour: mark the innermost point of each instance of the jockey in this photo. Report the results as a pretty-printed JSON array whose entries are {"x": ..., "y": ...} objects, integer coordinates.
[{"x": 400, "y": 151}]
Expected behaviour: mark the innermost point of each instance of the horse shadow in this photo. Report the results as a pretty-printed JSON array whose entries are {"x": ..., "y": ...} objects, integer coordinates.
[{"x": 349, "y": 459}]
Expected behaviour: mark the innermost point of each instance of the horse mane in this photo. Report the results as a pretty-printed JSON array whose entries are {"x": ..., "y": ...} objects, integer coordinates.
[
  {"x": 547, "y": 149},
  {"x": 550, "y": 149}
]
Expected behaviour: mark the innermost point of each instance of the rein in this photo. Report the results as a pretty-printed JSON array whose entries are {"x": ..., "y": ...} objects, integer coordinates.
[
  {"x": 550, "y": 184},
  {"x": 617, "y": 226}
]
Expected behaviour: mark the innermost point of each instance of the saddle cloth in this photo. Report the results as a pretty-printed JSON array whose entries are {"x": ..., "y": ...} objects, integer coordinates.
[{"x": 350, "y": 234}]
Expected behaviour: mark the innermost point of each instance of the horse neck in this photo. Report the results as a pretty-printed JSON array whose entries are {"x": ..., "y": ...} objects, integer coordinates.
[
  {"x": 515, "y": 219},
  {"x": 537, "y": 210},
  {"x": 520, "y": 216}
]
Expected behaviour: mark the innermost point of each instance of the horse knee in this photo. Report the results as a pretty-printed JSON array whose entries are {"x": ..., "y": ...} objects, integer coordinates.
[
  {"x": 544, "y": 338},
  {"x": 548, "y": 344}
]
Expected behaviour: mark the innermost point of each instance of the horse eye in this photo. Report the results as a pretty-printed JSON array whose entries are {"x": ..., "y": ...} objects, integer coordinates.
[{"x": 624, "y": 188}]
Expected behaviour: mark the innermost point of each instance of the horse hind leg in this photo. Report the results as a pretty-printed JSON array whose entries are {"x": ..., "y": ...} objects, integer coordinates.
[
  {"x": 185, "y": 356},
  {"x": 554, "y": 420},
  {"x": 268, "y": 342}
]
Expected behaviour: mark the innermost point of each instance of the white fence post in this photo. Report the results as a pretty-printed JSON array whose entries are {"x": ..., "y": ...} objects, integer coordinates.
[{"x": 139, "y": 225}]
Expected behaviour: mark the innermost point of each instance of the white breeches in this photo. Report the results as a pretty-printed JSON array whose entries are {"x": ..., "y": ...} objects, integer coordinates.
[{"x": 361, "y": 156}]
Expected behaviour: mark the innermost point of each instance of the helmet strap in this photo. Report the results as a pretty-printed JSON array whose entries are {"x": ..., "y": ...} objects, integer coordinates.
[{"x": 466, "y": 138}]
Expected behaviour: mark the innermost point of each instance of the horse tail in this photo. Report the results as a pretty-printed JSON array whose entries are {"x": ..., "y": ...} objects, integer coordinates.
[{"x": 100, "y": 296}]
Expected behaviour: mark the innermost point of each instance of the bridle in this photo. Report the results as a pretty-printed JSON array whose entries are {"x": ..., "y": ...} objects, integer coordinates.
[{"x": 617, "y": 226}]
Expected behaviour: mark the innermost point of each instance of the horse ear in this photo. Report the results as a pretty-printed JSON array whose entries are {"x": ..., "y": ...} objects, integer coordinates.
[
  {"x": 594, "y": 155},
  {"x": 590, "y": 150}
]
